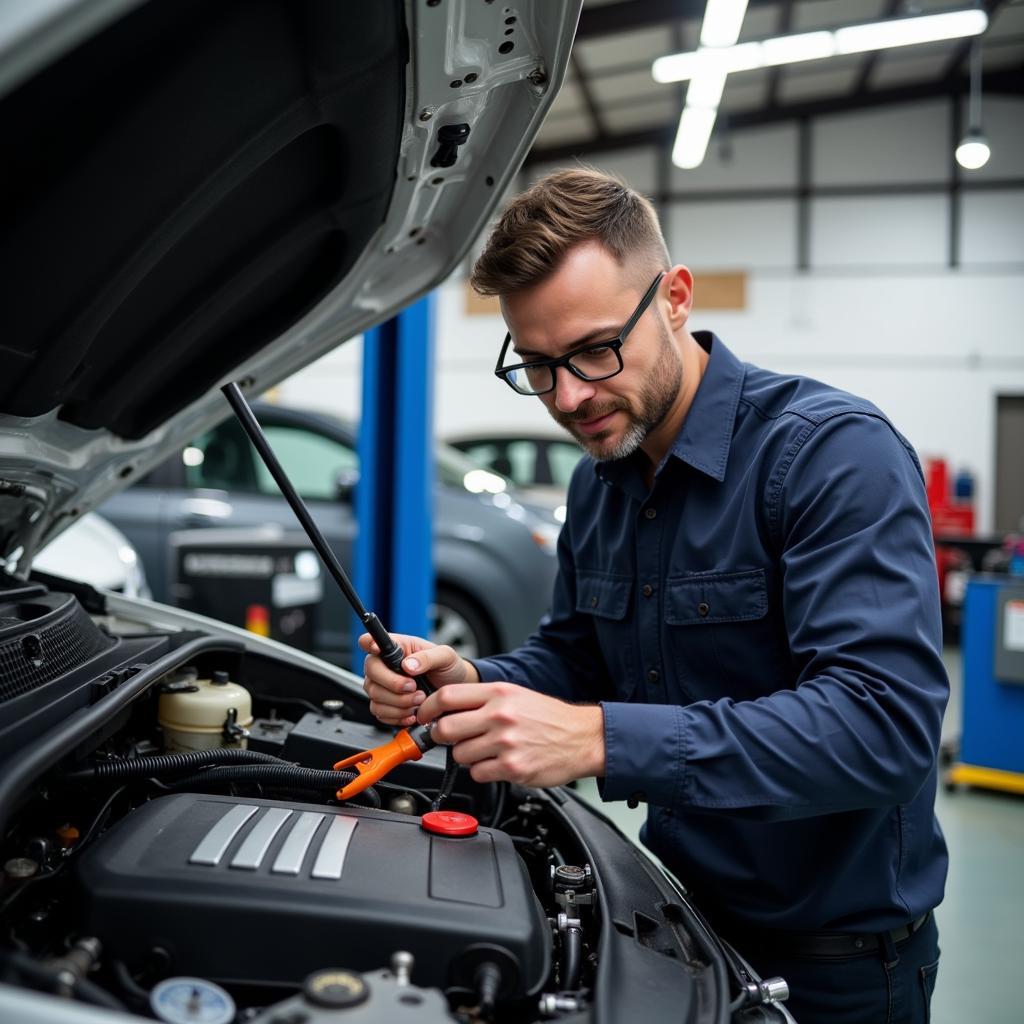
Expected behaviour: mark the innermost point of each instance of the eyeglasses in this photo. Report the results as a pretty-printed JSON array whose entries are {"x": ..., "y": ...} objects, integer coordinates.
[{"x": 597, "y": 361}]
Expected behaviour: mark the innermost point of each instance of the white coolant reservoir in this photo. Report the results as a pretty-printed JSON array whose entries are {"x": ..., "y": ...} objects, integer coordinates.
[{"x": 205, "y": 713}]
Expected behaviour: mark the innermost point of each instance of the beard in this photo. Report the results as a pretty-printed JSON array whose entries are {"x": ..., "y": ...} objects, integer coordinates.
[{"x": 653, "y": 403}]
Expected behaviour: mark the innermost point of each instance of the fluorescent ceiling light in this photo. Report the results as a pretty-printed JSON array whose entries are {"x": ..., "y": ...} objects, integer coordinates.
[
  {"x": 678, "y": 67},
  {"x": 706, "y": 90},
  {"x": 693, "y": 136},
  {"x": 910, "y": 31},
  {"x": 722, "y": 21},
  {"x": 790, "y": 49}
]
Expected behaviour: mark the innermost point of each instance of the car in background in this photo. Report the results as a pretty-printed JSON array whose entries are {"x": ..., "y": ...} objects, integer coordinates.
[
  {"x": 494, "y": 554},
  {"x": 96, "y": 552},
  {"x": 541, "y": 465}
]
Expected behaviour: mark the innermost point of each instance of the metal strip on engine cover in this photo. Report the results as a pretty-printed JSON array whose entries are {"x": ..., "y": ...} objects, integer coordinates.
[
  {"x": 293, "y": 853},
  {"x": 331, "y": 858},
  {"x": 251, "y": 853},
  {"x": 216, "y": 842}
]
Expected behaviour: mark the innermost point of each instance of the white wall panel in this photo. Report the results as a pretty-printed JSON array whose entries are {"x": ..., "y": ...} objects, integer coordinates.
[
  {"x": 636, "y": 166},
  {"x": 900, "y": 144},
  {"x": 761, "y": 158},
  {"x": 879, "y": 231},
  {"x": 992, "y": 228},
  {"x": 733, "y": 236}
]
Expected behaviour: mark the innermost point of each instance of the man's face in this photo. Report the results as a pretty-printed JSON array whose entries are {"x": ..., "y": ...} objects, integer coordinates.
[{"x": 588, "y": 299}]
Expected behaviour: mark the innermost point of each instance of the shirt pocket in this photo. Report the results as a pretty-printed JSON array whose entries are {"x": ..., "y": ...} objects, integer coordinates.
[
  {"x": 721, "y": 633},
  {"x": 607, "y": 598}
]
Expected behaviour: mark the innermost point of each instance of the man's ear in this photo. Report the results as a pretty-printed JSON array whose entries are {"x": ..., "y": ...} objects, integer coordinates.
[{"x": 680, "y": 295}]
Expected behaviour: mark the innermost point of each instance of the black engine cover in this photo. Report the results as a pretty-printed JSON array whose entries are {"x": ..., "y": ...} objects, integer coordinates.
[{"x": 266, "y": 891}]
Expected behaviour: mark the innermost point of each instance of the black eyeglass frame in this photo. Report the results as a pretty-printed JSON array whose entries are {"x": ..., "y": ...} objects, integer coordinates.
[{"x": 615, "y": 344}]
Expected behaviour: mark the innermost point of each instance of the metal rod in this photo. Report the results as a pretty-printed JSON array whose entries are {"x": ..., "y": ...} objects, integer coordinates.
[
  {"x": 974, "y": 97},
  {"x": 390, "y": 651}
]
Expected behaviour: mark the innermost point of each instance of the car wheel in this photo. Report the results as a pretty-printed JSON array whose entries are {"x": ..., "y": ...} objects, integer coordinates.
[{"x": 455, "y": 620}]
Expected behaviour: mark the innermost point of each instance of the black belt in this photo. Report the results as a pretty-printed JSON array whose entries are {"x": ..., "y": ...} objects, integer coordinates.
[{"x": 823, "y": 945}]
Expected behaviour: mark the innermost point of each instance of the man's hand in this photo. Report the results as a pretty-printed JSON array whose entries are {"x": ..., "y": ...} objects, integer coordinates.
[
  {"x": 505, "y": 732},
  {"x": 393, "y": 697}
]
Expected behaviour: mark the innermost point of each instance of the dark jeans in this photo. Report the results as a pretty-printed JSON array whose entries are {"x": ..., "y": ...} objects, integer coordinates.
[{"x": 858, "y": 989}]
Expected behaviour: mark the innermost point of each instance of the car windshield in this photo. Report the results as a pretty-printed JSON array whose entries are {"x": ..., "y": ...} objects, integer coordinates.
[
  {"x": 458, "y": 470},
  {"x": 222, "y": 458}
]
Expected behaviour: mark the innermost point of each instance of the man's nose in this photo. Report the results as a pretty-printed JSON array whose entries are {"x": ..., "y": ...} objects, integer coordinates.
[{"x": 570, "y": 391}]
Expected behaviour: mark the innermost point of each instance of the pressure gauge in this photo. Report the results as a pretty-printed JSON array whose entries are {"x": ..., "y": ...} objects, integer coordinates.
[{"x": 191, "y": 1001}]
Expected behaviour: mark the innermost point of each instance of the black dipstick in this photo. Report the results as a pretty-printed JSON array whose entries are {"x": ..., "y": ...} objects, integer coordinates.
[{"x": 390, "y": 652}]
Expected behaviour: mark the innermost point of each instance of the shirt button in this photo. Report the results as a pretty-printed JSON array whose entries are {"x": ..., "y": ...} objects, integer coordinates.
[
  {"x": 653, "y": 675},
  {"x": 647, "y": 590},
  {"x": 703, "y": 609},
  {"x": 650, "y": 512},
  {"x": 634, "y": 799},
  {"x": 593, "y": 602}
]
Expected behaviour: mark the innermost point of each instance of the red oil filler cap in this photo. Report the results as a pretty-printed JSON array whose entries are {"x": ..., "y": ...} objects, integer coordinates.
[{"x": 449, "y": 823}]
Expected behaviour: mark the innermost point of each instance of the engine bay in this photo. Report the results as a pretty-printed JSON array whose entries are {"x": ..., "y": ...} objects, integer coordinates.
[{"x": 174, "y": 848}]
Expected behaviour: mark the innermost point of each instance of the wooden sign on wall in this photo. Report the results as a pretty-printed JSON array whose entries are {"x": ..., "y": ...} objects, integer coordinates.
[
  {"x": 721, "y": 290},
  {"x": 481, "y": 305}
]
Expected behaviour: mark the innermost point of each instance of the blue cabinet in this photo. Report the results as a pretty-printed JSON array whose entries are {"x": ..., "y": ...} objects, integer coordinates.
[{"x": 992, "y": 741}]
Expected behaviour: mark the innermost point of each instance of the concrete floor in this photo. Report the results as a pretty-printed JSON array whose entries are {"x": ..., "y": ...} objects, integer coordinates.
[{"x": 984, "y": 905}]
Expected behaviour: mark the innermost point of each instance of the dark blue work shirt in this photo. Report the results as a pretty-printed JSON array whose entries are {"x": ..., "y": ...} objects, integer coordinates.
[{"x": 762, "y": 629}]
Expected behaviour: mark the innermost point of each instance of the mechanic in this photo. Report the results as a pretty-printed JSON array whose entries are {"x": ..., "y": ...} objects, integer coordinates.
[{"x": 745, "y": 627}]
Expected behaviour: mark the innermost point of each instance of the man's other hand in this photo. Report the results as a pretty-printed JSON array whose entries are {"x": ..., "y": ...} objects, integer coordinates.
[
  {"x": 505, "y": 732},
  {"x": 393, "y": 697}
]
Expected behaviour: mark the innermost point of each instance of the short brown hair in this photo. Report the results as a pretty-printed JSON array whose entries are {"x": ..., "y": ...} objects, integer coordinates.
[{"x": 538, "y": 227}]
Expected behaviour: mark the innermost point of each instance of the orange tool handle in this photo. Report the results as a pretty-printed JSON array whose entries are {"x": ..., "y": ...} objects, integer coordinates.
[{"x": 373, "y": 765}]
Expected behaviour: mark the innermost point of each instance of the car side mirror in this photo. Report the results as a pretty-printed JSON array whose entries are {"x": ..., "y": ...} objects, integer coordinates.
[{"x": 345, "y": 481}]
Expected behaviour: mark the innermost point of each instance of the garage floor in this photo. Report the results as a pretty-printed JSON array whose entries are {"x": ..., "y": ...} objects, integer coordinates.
[{"x": 980, "y": 918}]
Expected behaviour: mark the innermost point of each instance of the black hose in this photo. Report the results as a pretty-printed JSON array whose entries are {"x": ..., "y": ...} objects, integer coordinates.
[
  {"x": 142, "y": 767},
  {"x": 451, "y": 770},
  {"x": 288, "y": 775},
  {"x": 396, "y": 788},
  {"x": 572, "y": 958},
  {"x": 369, "y": 797},
  {"x": 499, "y": 803},
  {"x": 487, "y": 981},
  {"x": 128, "y": 983},
  {"x": 41, "y": 976},
  {"x": 90, "y": 992}
]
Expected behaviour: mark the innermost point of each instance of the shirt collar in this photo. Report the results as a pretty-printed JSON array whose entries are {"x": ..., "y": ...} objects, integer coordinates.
[{"x": 706, "y": 434}]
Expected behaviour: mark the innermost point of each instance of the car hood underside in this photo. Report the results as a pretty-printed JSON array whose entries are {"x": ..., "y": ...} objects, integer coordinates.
[
  {"x": 181, "y": 189},
  {"x": 198, "y": 192}
]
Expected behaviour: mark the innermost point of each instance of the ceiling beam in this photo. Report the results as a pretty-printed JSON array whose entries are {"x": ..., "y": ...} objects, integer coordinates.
[
  {"x": 629, "y": 15},
  {"x": 775, "y": 75},
  {"x": 1006, "y": 81},
  {"x": 871, "y": 59},
  {"x": 587, "y": 92}
]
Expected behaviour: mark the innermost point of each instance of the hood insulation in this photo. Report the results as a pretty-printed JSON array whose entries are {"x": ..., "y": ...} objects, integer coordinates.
[{"x": 181, "y": 189}]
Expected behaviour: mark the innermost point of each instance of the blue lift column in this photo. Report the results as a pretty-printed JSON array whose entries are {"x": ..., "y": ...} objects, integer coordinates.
[{"x": 394, "y": 569}]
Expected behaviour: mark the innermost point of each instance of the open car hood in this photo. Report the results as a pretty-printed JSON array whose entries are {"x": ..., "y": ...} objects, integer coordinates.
[{"x": 195, "y": 193}]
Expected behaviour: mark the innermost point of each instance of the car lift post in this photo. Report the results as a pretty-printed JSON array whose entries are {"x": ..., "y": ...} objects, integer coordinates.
[{"x": 393, "y": 563}]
